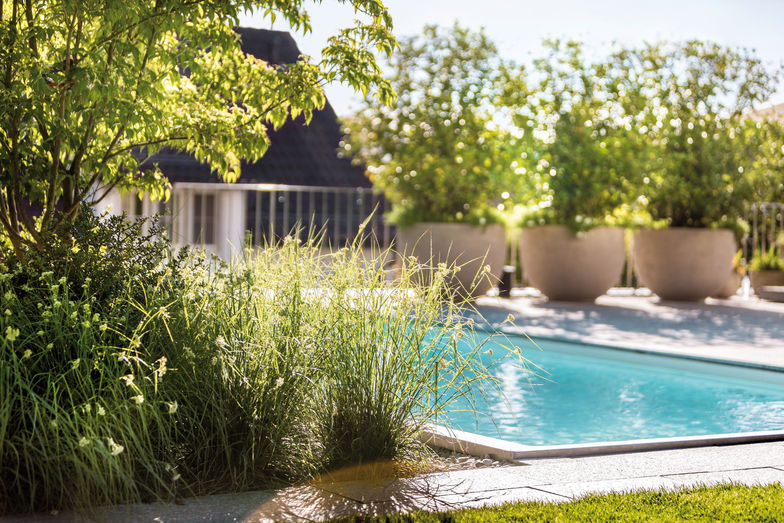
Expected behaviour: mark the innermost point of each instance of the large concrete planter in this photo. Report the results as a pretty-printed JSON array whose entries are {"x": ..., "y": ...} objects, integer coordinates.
[
  {"x": 570, "y": 267},
  {"x": 467, "y": 246},
  {"x": 730, "y": 287},
  {"x": 684, "y": 264},
  {"x": 761, "y": 279}
]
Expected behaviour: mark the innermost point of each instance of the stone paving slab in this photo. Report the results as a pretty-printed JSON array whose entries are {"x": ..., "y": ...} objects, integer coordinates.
[
  {"x": 304, "y": 503},
  {"x": 738, "y": 329},
  {"x": 750, "y": 477},
  {"x": 581, "y": 489}
]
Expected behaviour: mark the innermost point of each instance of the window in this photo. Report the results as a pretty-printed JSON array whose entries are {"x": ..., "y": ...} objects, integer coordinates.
[
  {"x": 203, "y": 218},
  {"x": 132, "y": 205}
]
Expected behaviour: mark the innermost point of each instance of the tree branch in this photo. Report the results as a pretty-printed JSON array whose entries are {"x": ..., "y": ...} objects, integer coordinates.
[
  {"x": 29, "y": 16},
  {"x": 111, "y": 36}
]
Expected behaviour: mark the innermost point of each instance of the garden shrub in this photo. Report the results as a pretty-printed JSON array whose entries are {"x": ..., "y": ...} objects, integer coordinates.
[
  {"x": 81, "y": 419},
  {"x": 155, "y": 376}
]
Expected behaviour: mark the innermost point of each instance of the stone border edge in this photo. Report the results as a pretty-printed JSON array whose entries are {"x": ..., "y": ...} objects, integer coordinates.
[
  {"x": 627, "y": 348},
  {"x": 480, "y": 446}
]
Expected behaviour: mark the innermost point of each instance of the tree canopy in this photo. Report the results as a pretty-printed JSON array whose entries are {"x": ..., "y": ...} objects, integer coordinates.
[{"x": 92, "y": 88}]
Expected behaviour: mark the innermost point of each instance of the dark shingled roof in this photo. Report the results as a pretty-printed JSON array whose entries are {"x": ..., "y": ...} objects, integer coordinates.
[{"x": 299, "y": 154}]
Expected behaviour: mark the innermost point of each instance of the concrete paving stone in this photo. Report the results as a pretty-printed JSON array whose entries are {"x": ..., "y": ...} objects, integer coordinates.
[
  {"x": 711, "y": 459},
  {"x": 450, "y": 502},
  {"x": 499, "y": 497},
  {"x": 584, "y": 488},
  {"x": 400, "y": 490},
  {"x": 751, "y": 477},
  {"x": 291, "y": 504},
  {"x": 595, "y": 468},
  {"x": 304, "y": 503}
]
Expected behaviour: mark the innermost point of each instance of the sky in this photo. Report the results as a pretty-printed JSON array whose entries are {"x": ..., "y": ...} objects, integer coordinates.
[{"x": 518, "y": 26}]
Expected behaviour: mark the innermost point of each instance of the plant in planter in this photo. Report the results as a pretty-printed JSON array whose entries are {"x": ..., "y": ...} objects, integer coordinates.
[
  {"x": 701, "y": 144},
  {"x": 437, "y": 154},
  {"x": 583, "y": 167},
  {"x": 766, "y": 268}
]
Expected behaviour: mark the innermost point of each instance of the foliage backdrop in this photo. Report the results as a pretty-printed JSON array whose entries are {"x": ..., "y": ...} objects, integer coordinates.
[{"x": 90, "y": 89}]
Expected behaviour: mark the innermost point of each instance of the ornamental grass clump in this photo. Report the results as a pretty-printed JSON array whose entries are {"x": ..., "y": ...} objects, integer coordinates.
[
  {"x": 195, "y": 376},
  {"x": 393, "y": 365}
]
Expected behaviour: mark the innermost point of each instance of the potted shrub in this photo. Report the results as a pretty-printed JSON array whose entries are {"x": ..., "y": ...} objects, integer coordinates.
[
  {"x": 766, "y": 269},
  {"x": 438, "y": 157},
  {"x": 582, "y": 167},
  {"x": 695, "y": 185}
]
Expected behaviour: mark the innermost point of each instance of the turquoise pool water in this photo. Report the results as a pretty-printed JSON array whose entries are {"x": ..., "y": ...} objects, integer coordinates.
[{"x": 588, "y": 394}]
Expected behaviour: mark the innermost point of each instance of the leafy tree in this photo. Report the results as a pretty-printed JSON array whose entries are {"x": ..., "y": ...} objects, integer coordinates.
[
  {"x": 437, "y": 153},
  {"x": 91, "y": 88}
]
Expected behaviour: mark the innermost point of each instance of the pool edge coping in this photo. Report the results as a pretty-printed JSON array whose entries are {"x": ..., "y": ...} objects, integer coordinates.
[{"x": 473, "y": 444}]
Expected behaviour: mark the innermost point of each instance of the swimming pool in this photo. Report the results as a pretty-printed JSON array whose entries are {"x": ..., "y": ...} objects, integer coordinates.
[{"x": 584, "y": 393}]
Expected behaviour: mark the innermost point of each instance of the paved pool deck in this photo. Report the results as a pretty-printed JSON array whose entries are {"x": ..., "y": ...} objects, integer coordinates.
[{"x": 740, "y": 329}]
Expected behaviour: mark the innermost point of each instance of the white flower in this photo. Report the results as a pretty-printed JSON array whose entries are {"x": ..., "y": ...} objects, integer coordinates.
[
  {"x": 114, "y": 447},
  {"x": 161, "y": 370},
  {"x": 11, "y": 334}
]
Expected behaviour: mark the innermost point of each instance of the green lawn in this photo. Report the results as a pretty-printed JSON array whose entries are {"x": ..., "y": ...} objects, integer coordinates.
[{"x": 722, "y": 503}]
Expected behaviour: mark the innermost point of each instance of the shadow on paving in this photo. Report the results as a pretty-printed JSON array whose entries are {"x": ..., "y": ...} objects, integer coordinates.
[{"x": 642, "y": 319}]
